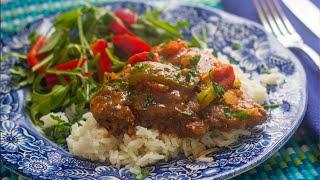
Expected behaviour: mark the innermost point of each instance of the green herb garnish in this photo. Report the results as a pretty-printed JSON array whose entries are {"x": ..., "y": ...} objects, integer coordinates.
[
  {"x": 139, "y": 67},
  {"x": 218, "y": 89},
  {"x": 198, "y": 41},
  {"x": 143, "y": 173},
  {"x": 58, "y": 132},
  {"x": 235, "y": 46},
  {"x": 195, "y": 59},
  {"x": 266, "y": 71},
  {"x": 271, "y": 106},
  {"x": 147, "y": 101},
  {"x": 238, "y": 115}
]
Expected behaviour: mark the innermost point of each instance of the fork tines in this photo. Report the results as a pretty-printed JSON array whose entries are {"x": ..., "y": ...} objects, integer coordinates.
[{"x": 273, "y": 17}]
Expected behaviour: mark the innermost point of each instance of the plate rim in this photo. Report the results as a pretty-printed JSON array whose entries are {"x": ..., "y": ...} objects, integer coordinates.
[{"x": 265, "y": 155}]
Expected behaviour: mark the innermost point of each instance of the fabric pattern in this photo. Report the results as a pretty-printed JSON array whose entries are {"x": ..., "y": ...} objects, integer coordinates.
[{"x": 298, "y": 159}]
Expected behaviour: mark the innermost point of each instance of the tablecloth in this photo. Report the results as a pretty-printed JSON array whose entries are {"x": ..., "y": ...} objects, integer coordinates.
[{"x": 298, "y": 159}]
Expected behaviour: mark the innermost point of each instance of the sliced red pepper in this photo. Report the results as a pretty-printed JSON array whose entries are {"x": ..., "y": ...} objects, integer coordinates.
[
  {"x": 104, "y": 62},
  {"x": 144, "y": 56},
  {"x": 52, "y": 79},
  {"x": 127, "y": 16},
  {"x": 32, "y": 56},
  {"x": 223, "y": 74},
  {"x": 118, "y": 28},
  {"x": 130, "y": 44}
]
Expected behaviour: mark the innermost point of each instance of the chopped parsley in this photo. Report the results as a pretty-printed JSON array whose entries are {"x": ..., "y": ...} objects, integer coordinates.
[
  {"x": 270, "y": 106},
  {"x": 147, "y": 101},
  {"x": 191, "y": 76},
  {"x": 235, "y": 46},
  {"x": 139, "y": 67},
  {"x": 218, "y": 89},
  {"x": 143, "y": 173},
  {"x": 266, "y": 71},
  {"x": 133, "y": 95},
  {"x": 195, "y": 59},
  {"x": 58, "y": 132},
  {"x": 238, "y": 115},
  {"x": 150, "y": 55}
]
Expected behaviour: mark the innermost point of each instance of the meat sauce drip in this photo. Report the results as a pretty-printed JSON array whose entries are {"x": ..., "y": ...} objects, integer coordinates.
[{"x": 168, "y": 96}]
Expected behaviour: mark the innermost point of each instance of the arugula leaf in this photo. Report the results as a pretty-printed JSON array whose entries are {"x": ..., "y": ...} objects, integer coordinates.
[
  {"x": 199, "y": 42},
  {"x": 58, "y": 132},
  {"x": 154, "y": 30},
  {"x": 68, "y": 19},
  {"x": 117, "y": 64},
  {"x": 52, "y": 41},
  {"x": 154, "y": 18},
  {"x": 45, "y": 103},
  {"x": 13, "y": 54},
  {"x": 21, "y": 77}
]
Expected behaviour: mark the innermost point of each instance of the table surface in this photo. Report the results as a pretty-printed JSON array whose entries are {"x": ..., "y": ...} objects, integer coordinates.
[{"x": 299, "y": 158}]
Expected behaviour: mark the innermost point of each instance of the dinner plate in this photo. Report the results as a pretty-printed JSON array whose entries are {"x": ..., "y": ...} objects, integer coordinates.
[{"x": 27, "y": 152}]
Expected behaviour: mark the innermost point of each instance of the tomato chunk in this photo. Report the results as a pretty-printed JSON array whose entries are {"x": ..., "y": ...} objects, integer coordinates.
[
  {"x": 130, "y": 44},
  {"x": 223, "y": 74},
  {"x": 173, "y": 47},
  {"x": 127, "y": 16},
  {"x": 144, "y": 56}
]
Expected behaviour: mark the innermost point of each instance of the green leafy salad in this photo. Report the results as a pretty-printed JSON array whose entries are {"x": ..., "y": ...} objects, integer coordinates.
[{"x": 83, "y": 47}]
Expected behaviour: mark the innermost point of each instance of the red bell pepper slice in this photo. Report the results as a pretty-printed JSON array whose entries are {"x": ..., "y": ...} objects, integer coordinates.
[
  {"x": 130, "y": 44},
  {"x": 223, "y": 74},
  {"x": 104, "y": 62},
  {"x": 118, "y": 28},
  {"x": 32, "y": 56},
  {"x": 144, "y": 56},
  {"x": 127, "y": 16},
  {"x": 52, "y": 79},
  {"x": 72, "y": 64}
]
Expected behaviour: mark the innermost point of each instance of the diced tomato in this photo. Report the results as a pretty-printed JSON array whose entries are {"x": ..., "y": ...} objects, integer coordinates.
[
  {"x": 104, "y": 62},
  {"x": 173, "y": 47},
  {"x": 224, "y": 75},
  {"x": 127, "y": 16},
  {"x": 130, "y": 44},
  {"x": 144, "y": 56},
  {"x": 118, "y": 28},
  {"x": 32, "y": 56}
]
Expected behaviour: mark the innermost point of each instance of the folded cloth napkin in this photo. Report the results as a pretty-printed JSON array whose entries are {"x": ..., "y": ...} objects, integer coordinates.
[{"x": 312, "y": 118}]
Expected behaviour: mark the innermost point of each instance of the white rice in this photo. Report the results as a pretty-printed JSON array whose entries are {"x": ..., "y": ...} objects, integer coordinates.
[{"x": 91, "y": 141}]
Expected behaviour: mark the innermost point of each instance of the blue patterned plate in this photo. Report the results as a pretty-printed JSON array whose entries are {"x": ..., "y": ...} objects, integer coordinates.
[{"x": 27, "y": 152}]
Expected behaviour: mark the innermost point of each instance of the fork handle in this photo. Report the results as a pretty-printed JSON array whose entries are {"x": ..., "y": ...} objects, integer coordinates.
[{"x": 311, "y": 53}]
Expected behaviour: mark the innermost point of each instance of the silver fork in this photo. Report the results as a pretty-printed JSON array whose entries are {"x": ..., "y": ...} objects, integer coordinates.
[{"x": 275, "y": 21}]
